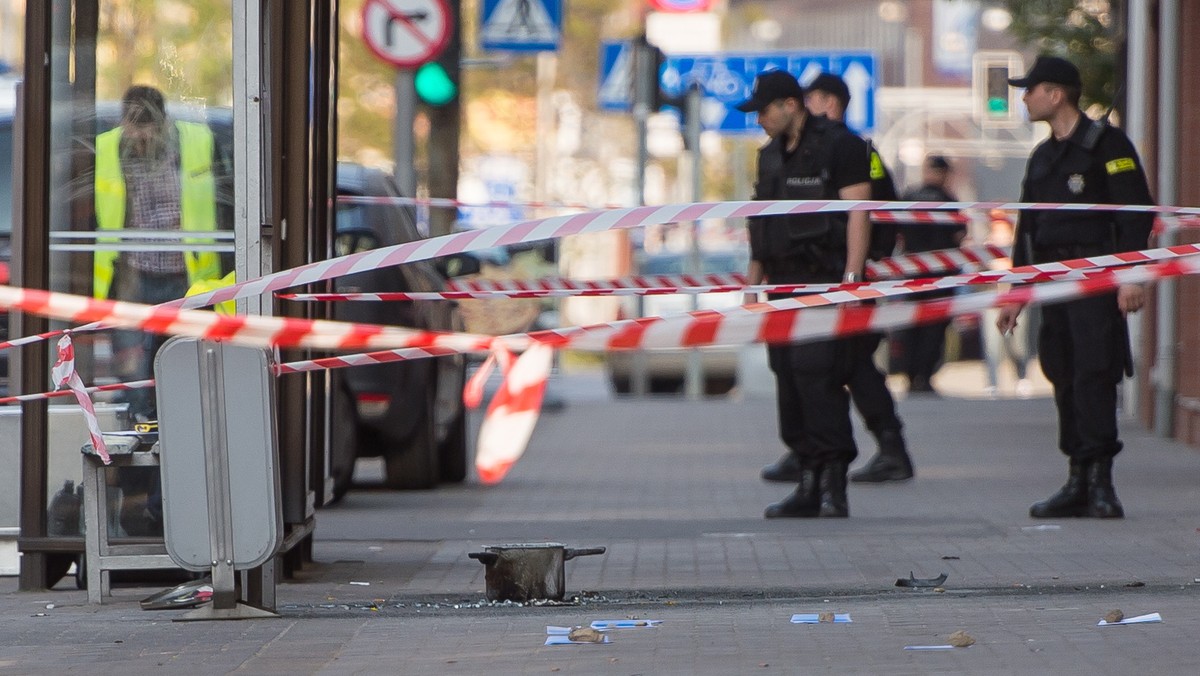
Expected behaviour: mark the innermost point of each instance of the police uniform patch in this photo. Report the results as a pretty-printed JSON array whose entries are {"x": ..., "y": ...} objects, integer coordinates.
[
  {"x": 877, "y": 171},
  {"x": 1075, "y": 184},
  {"x": 1120, "y": 164}
]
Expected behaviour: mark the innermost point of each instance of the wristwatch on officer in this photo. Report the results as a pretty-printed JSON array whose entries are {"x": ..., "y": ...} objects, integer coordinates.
[{"x": 852, "y": 277}]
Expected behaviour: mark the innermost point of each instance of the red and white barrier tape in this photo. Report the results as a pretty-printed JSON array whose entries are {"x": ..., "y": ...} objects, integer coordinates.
[
  {"x": 588, "y": 222},
  {"x": 326, "y": 335},
  {"x": 935, "y": 262},
  {"x": 904, "y": 217},
  {"x": 64, "y": 375},
  {"x": 873, "y": 289},
  {"x": 450, "y": 203},
  {"x": 112, "y": 387},
  {"x": 254, "y": 330},
  {"x": 1079, "y": 270},
  {"x": 1033, "y": 273},
  {"x": 598, "y": 221},
  {"x": 929, "y": 262},
  {"x": 920, "y": 217},
  {"x": 513, "y": 413}
]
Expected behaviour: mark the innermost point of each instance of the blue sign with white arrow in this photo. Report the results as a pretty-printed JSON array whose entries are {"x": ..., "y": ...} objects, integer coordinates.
[
  {"x": 521, "y": 25},
  {"x": 616, "y": 76},
  {"x": 727, "y": 80}
]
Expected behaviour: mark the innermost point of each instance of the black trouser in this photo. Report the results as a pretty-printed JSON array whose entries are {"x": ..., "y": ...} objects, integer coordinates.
[
  {"x": 868, "y": 387},
  {"x": 1084, "y": 350},
  {"x": 810, "y": 392},
  {"x": 134, "y": 350},
  {"x": 923, "y": 346},
  {"x": 814, "y": 408}
]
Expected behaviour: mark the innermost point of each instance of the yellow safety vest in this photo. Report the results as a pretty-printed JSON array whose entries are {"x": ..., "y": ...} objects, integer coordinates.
[{"x": 197, "y": 203}]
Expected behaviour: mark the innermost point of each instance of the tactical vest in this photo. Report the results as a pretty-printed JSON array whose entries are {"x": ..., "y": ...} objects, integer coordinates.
[
  {"x": 1074, "y": 174},
  {"x": 197, "y": 204},
  {"x": 813, "y": 239}
]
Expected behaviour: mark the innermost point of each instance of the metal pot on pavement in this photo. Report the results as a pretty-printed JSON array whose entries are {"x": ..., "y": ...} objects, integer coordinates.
[{"x": 523, "y": 572}]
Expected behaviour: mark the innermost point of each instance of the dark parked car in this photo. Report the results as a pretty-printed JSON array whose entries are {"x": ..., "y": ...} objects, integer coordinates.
[{"x": 411, "y": 412}]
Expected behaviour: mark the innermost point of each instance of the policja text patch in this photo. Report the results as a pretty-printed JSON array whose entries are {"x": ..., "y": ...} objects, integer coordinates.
[{"x": 1120, "y": 164}]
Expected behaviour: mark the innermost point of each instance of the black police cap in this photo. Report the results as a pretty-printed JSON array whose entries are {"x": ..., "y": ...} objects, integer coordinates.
[
  {"x": 830, "y": 84},
  {"x": 769, "y": 86},
  {"x": 1050, "y": 69}
]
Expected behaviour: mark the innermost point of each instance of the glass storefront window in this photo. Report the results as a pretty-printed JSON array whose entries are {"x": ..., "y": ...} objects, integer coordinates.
[{"x": 142, "y": 207}]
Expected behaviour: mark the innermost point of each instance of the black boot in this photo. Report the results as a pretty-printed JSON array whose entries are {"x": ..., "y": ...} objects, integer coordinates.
[
  {"x": 832, "y": 487},
  {"x": 787, "y": 469},
  {"x": 891, "y": 463},
  {"x": 1102, "y": 500},
  {"x": 803, "y": 503},
  {"x": 1071, "y": 499}
]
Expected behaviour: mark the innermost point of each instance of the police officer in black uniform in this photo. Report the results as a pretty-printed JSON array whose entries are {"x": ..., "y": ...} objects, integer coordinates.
[
  {"x": 1083, "y": 344},
  {"x": 828, "y": 95},
  {"x": 809, "y": 157}
]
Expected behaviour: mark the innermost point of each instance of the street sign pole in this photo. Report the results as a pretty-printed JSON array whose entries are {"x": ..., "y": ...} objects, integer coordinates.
[
  {"x": 406, "y": 34},
  {"x": 645, "y": 81},
  {"x": 693, "y": 377},
  {"x": 403, "y": 142}
]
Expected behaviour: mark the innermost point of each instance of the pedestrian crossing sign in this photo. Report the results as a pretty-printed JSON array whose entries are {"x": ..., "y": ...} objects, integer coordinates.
[{"x": 521, "y": 25}]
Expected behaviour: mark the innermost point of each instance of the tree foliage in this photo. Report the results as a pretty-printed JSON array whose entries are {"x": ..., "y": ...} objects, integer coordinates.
[
  {"x": 1086, "y": 32},
  {"x": 183, "y": 48}
]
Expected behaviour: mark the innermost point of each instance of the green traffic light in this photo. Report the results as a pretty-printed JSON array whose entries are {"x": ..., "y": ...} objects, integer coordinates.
[
  {"x": 997, "y": 105},
  {"x": 433, "y": 84}
]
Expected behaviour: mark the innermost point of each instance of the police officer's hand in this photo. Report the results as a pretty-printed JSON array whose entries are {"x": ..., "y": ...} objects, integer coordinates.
[
  {"x": 1131, "y": 297},
  {"x": 1007, "y": 319}
]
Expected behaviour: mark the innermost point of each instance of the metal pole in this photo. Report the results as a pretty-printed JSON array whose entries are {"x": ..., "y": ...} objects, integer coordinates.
[
  {"x": 251, "y": 257},
  {"x": 402, "y": 139},
  {"x": 693, "y": 380},
  {"x": 216, "y": 464},
  {"x": 1136, "y": 125},
  {"x": 1165, "y": 362},
  {"x": 643, "y": 96}
]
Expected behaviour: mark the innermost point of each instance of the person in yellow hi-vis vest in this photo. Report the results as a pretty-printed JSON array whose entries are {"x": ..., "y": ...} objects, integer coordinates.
[{"x": 151, "y": 174}]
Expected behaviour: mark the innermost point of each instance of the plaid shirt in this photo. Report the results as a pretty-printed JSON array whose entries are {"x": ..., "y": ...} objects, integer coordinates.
[{"x": 153, "y": 188}]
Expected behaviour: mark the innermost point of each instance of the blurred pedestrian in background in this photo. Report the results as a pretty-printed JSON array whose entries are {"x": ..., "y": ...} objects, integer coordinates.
[{"x": 922, "y": 347}]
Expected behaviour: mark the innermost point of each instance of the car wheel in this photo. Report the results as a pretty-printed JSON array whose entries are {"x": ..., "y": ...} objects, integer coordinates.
[
  {"x": 343, "y": 440},
  {"x": 621, "y": 384},
  {"x": 665, "y": 385},
  {"x": 719, "y": 385},
  {"x": 414, "y": 465}
]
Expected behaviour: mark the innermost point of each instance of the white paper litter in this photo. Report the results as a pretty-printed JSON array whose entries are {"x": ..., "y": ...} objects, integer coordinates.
[{"x": 1140, "y": 619}]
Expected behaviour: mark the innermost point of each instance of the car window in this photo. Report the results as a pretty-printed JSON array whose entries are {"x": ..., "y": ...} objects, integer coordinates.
[
  {"x": 663, "y": 265},
  {"x": 676, "y": 264}
]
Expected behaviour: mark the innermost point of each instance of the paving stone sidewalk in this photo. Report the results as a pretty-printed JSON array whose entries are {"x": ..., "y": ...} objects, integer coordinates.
[{"x": 671, "y": 489}]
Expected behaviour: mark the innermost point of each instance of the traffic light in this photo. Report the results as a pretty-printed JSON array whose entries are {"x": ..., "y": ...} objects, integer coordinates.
[
  {"x": 998, "y": 105},
  {"x": 434, "y": 85},
  {"x": 995, "y": 100},
  {"x": 648, "y": 64}
]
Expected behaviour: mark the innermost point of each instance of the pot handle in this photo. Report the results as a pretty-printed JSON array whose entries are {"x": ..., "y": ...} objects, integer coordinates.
[
  {"x": 486, "y": 558},
  {"x": 569, "y": 554}
]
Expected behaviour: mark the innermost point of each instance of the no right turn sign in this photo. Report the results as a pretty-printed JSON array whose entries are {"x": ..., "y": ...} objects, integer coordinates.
[{"x": 406, "y": 33}]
